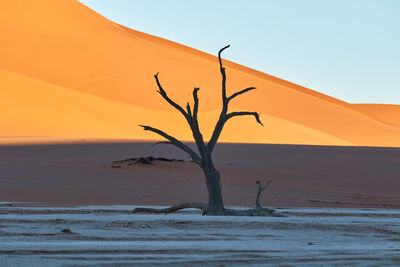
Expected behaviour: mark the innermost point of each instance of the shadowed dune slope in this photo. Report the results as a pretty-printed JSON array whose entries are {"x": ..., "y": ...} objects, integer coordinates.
[
  {"x": 308, "y": 176},
  {"x": 67, "y": 71}
]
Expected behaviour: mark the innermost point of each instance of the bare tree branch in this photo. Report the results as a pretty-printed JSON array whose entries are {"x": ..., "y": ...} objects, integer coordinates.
[
  {"x": 267, "y": 184},
  {"x": 224, "y": 117},
  {"x": 175, "y": 142},
  {"x": 221, "y": 121},
  {"x": 189, "y": 112},
  {"x": 196, "y": 104},
  {"x": 222, "y": 69},
  {"x": 162, "y": 143},
  {"x": 203, "y": 207},
  {"x": 240, "y": 92},
  {"x": 169, "y": 100},
  {"x": 198, "y": 137},
  {"x": 190, "y": 205},
  {"x": 244, "y": 113},
  {"x": 219, "y": 54}
]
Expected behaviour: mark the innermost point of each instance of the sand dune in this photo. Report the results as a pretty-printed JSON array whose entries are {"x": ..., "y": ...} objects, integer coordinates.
[
  {"x": 389, "y": 114},
  {"x": 67, "y": 71}
]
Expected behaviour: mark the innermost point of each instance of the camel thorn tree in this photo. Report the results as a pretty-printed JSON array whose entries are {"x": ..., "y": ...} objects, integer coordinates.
[{"x": 203, "y": 156}]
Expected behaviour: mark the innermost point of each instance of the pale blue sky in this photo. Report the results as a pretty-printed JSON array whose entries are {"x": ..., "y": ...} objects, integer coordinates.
[{"x": 349, "y": 49}]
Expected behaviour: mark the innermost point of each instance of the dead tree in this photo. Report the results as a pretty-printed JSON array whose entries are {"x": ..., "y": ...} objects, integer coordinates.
[
  {"x": 260, "y": 189},
  {"x": 203, "y": 158}
]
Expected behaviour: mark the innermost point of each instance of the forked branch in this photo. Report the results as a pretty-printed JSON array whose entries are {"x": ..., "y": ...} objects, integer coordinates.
[
  {"x": 224, "y": 116},
  {"x": 260, "y": 189},
  {"x": 191, "y": 118}
]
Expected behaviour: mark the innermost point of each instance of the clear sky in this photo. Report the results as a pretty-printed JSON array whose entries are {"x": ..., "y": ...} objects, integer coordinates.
[{"x": 349, "y": 49}]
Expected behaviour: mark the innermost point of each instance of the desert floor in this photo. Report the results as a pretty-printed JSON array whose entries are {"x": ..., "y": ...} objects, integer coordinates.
[
  {"x": 112, "y": 236},
  {"x": 80, "y": 173}
]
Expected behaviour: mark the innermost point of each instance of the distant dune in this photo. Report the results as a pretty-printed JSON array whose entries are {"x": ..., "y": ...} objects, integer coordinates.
[
  {"x": 66, "y": 71},
  {"x": 389, "y": 114}
]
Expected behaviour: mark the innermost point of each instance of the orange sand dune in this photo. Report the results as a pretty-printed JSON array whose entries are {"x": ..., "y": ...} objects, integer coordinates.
[
  {"x": 66, "y": 71},
  {"x": 387, "y": 113}
]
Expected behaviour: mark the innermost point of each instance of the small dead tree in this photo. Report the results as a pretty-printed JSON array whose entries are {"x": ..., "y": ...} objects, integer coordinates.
[
  {"x": 203, "y": 158},
  {"x": 260, "y": 189}
]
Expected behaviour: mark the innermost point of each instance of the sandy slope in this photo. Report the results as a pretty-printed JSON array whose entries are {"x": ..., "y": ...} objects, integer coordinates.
[
  {"x": 66, "y": 71},
  {"x": 389, "y": 114}
]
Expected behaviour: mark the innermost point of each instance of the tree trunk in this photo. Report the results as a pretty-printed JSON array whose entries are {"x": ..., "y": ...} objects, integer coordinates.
[
  {"x": 215, "y": 202},
  {"x": 258, "y": 205}
]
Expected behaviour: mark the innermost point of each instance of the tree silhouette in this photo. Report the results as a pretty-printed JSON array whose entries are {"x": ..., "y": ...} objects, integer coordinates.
[{"x": 203, "y": 158}]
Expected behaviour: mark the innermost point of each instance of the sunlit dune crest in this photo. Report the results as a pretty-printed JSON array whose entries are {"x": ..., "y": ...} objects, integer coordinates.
[{"x": 66, "y": 71}]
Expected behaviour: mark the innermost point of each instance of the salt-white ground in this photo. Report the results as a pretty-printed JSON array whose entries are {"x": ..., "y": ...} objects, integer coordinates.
[{"x": 111, "y": 235}]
